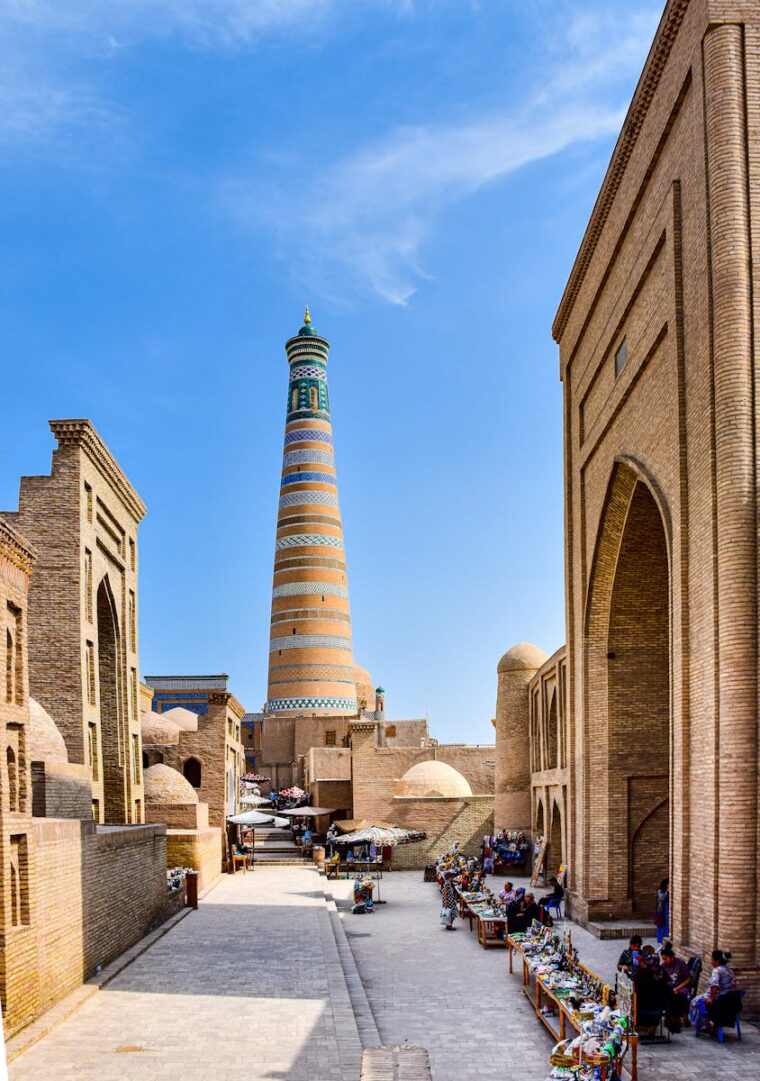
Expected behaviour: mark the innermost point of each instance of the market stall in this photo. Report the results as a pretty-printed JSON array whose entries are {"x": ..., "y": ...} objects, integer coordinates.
[{"x": 594, "y": 1041}]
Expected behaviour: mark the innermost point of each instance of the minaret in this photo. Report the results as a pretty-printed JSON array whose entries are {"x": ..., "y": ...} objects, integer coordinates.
[{"x": 311, "y": 665}]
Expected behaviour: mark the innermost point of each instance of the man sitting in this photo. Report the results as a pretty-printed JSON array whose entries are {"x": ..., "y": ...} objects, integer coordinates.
[
  {"x": 629, "y": 958},
  {"x": 556, "y": 895}
]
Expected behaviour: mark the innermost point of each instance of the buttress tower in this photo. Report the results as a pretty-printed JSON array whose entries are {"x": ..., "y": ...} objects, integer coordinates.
[{"x": 311, "y": 665}]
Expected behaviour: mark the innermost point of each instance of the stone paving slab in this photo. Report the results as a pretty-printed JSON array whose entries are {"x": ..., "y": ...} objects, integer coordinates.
[
  {"x": 442, "y": 991},
  {"x": 248, "y": 987}
]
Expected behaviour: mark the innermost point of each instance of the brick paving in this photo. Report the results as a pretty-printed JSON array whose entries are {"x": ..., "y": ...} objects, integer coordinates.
[
  {"x": 258, "y": 985},
  {"x": 250, "y": 986},
  {"x": 444, "y": 992}
]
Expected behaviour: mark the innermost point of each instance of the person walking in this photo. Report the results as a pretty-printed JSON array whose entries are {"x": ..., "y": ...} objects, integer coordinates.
[{"x": 448, "y": 902}]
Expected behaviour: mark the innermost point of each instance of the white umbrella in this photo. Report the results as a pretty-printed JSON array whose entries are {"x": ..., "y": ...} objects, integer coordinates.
[
  {"x": 255, "y": 818},
  {"x": 255, "y": 801}
]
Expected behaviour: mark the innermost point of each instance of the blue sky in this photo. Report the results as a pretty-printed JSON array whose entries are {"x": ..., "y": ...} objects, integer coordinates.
[{"x": 178, "y": 177}]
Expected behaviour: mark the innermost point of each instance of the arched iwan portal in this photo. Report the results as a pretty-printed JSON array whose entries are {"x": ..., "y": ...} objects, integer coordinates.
[
  {"x": 628, "y": 701},
  {"x": 114, "y": 773}
]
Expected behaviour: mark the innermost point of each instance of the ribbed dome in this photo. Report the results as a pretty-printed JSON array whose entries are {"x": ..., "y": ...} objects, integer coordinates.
[
  {"x": 158, "y": 731},
  {"x": 46, "y": 744},
  {"x": 166, "y": 785},
  {"x": 185, "y": 718},
  {"x": 523, "y": 657},
  {"x": 432, "y": 779}
]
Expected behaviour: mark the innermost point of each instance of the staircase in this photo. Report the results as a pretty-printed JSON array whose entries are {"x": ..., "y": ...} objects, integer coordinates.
[{"x": 276, "y": 847}]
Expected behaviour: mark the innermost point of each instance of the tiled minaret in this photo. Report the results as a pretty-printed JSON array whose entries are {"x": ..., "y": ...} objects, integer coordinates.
[{"x": 311, "y": 666}]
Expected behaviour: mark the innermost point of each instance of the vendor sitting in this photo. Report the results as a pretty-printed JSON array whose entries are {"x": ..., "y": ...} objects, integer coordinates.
[
  {"x": 556, "y": 895},
  {"x": 721, "y": 1002},
  {"x": 306, "y": 842},
  {"x": 629, "y": 958},
  {"x": 679, "y": 978},
  {"x": 508, "y": 894}
]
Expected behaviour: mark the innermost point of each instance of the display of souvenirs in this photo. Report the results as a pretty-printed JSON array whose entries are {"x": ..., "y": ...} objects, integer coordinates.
[{"x": 595, "y": 1053}]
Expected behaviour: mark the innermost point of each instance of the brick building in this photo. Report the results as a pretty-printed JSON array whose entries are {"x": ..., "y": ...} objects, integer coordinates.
[
  {"x": 83, "y": 649},
  {"x": 656, "y": 333},
  {"x": 444, "y": 789},
  {"x": 74, "y": 893},
  {"x": 193, "y": 726}
]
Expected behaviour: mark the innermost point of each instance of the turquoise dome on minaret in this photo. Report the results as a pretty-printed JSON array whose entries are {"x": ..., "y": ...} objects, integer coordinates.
[{"x": 307, "y": 328}]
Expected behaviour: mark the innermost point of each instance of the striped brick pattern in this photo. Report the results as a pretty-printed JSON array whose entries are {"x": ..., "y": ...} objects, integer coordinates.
[{"x": 310, "y": 649}]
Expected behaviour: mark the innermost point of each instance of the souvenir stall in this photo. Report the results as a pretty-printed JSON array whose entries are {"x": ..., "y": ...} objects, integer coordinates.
[
  {"x": 506, "y": 852},
  {"x": 595, "y": 1040}
]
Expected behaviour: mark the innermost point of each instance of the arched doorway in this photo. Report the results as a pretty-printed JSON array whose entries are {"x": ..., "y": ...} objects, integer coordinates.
[
  {"x": 627, "y": 720},
  {"x": 552, "y": 734},
  {"x": 554, "y": 853},
  {"x": 114, "y": 773},
  {"x": 193, "y": 772}
]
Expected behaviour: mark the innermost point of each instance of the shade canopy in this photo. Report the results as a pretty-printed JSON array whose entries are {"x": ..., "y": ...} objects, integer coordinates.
[
  {"x": 307, "y": 812},
  {"x": 255, "y": 818},
  {"x": 255, "y": 801},
  {"x": 383, "y": 838},
  {"x": 294, "y": 792}
]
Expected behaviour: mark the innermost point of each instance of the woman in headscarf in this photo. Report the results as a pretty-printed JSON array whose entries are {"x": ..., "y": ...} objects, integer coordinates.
[{"x": 448, "y": 901}]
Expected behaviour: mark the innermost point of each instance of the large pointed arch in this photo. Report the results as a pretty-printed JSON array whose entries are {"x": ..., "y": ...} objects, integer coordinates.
[
  {"x": 627, "y": 697},
  {"x": 109, "y": 705}
]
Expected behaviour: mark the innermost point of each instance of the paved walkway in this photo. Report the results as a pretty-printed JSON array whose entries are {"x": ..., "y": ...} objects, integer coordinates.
[
  {"x": 248, "y": 987},
  {"x": 446, "y": 993},
  {"x": 255, "y": 986}
]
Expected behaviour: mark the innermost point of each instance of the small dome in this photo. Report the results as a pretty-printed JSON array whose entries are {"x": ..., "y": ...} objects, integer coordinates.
[
  {"x": 185, "y": 718},
  {"x": 523, "y": 657},
  {"x": 364, "y": 685},
  {"x": 158, "y": 730},
  {"x": 46, "y": 744},
  {"x": 432, "y": 779},
  {"x": 166, "y": 785}
]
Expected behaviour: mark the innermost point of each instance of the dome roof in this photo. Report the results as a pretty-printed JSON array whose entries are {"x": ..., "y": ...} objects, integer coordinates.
[
  {"x": 523, "y": 657},
  {"x": 46, "y": 744},
  {"x": 432, "y": 779},
  {"x": 166, "y": 785},
  {"x": 158, "y": 730},
  {"x": 364, "y": 685},
  {"x": 185, "y": 718}
]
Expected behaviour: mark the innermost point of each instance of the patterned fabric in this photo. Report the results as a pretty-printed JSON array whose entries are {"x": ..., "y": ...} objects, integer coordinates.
[{"x": 724, "y": 978}]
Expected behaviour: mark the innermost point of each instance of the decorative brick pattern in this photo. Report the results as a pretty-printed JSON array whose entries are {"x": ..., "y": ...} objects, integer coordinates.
[
  {"x": 310, "y": 641},
  {"x": 308, "y": 540}
]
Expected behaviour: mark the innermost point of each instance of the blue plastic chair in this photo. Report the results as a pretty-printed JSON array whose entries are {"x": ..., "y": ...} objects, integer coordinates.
[
  {"x": 719, "y": 1029},
  {"x": 556, "y": 904}
]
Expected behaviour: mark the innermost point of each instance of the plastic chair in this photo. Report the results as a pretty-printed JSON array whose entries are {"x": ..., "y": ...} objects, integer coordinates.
[
  {"x": 728, "y": 1019},
  {"x": 556, "y": 904}
]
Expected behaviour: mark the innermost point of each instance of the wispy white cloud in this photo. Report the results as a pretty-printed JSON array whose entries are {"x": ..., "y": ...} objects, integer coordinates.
[
  {"x": 362, "y": 223},
  {"x": 41, "y": 41}
]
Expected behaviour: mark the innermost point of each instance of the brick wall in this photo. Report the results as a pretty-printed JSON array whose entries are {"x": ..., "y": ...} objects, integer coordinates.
[
  {"x": 447, "y": 821},
  {"x": 199, "y": 849},
  {"x": 99, "y": 890},
  {"x": 661, "y": 496},
  {"x": 61, "y": 790}
]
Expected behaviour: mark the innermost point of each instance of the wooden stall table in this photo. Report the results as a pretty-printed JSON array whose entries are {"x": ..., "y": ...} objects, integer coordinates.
[
  {"x": 492, "y": 931},
  {"x": 563, "y": 1016}
]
